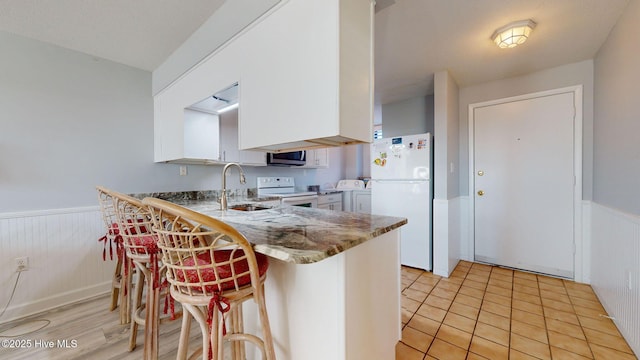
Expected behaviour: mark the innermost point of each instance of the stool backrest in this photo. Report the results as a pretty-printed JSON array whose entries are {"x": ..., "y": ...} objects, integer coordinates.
[
  {"x": 135, "y": 224},
  {"x": 112, "y": 236},
  {"x": 108, "y": 210},
  {"x": 203, "y": 256}
]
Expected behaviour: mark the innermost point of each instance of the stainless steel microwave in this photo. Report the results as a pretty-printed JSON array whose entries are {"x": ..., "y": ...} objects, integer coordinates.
[{"x": 293, "y": 158}]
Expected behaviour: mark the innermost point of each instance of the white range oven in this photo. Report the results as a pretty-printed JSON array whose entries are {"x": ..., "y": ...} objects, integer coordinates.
[{"x": 285, "y": 189}]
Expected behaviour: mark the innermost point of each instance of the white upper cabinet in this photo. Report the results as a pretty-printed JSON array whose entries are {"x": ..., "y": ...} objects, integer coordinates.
[
  {"x": 201, "y": 133},
  {"x": 317, "y": 158},
  {"x": 229, "y": 143},
  {"x": 229, "y": 151},
  {"x": 305, "y": 74},
  {"x": 211, "y": 139}
]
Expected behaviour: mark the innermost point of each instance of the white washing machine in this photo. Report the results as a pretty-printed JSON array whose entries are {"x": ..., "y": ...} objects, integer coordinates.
[{"x": 355, "y": 197}]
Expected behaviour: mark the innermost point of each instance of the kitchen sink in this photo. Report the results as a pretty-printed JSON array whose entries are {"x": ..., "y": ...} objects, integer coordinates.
[{"x": 248, "y": 207}]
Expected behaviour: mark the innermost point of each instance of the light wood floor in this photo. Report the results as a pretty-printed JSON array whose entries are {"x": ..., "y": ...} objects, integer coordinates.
[{"x": 96, "y": 330}]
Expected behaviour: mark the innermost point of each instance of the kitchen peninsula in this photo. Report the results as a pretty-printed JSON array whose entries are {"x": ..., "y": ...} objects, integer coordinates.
[{"x": 333, "y": 284}]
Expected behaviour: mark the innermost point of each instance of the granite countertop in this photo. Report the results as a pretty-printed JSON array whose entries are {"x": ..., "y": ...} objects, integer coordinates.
[{"x": 299, "y": 235}]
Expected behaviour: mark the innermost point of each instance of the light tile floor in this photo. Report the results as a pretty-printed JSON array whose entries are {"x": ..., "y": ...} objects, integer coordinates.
[{"x": 488, "y": 312}]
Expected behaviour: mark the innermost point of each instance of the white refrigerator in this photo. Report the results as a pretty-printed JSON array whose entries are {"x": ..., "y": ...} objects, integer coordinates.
[{"x": 401, "y": 186}]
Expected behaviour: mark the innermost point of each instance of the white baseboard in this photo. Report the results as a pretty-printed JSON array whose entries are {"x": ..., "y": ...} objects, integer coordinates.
[{"x": 41, "y": 305}]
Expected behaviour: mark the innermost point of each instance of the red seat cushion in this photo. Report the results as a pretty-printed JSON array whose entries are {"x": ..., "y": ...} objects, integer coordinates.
[
  {"x": 224, "y": 271},
  {"x": 149, "y": 242}
]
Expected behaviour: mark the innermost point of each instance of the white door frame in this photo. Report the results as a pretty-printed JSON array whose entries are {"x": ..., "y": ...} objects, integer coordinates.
[{"x": 579, "y": 251}]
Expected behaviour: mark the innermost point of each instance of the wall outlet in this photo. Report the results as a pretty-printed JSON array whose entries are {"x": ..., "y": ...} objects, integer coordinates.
[
  {"x": 22, "y": 263},
  {"x": 183, "y": 170}
]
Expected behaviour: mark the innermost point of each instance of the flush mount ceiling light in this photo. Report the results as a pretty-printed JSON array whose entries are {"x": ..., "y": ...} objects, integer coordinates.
[{"x": 513, "y": 34}]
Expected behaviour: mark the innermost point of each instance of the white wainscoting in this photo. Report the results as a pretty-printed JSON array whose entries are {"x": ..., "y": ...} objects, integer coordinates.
[
  {"x": 65, "y": 259},
  {"x": 440, "y": 237},
  {"x": 615, "y": 268},
  {"x": 450, "y": 234},
  {"x": 583, "y": 249}
]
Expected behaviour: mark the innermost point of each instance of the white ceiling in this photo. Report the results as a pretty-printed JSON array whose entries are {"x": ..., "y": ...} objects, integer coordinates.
[
  {"x": 414, "y": 38},
  {"x": 138, "y": 33}
]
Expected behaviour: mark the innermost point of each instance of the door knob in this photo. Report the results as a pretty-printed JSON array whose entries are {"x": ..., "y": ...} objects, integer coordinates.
[
  {"x": 480, "y": 173},
  {"x": 481, "y": 192}
]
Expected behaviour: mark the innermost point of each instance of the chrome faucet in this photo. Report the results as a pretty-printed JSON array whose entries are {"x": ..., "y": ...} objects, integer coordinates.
[{"x": 223, "y": 199}]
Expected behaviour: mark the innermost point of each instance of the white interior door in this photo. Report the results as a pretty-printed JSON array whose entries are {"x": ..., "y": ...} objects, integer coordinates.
[{"x": 524, "y": 184}]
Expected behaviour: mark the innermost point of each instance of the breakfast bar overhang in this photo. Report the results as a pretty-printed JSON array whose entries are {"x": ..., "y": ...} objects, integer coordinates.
[{"x": 333, "y": 284}]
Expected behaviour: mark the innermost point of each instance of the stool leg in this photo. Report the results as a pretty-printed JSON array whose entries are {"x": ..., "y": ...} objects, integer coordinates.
[
  {"x": 238, "y": 347},
  {"x": 151, "y": 320},
  {"x": 115, "y": 285},
  {"x": 215, "y": 337},
  {"x": 200, "y": 314},
  {"x": 270, "y": 353},
  {"x": 125, "y": 292},
  {"x": 183, "y": 345},
  {"x": 137, "y": 303}
]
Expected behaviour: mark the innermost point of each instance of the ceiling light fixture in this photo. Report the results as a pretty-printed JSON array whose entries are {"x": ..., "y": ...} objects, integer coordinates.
[{"x": 513, "y": 34}]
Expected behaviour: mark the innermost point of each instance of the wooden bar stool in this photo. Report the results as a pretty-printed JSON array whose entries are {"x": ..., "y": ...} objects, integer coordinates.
[
  {"x": 212, "y": 269},
  {"x": 141, "y": 246},
  {"x": 120, "y": 284}
]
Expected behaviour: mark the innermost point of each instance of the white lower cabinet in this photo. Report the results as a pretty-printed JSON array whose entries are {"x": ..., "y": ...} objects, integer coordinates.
[{"x": 330, "y": 202}]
